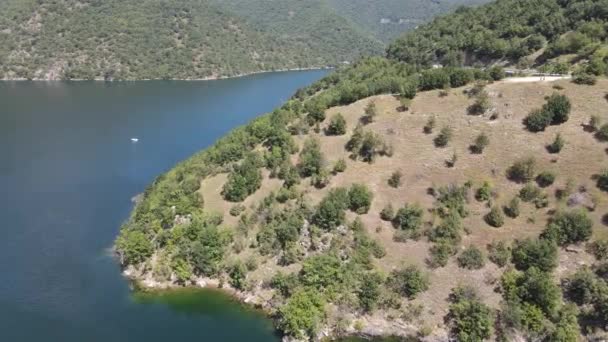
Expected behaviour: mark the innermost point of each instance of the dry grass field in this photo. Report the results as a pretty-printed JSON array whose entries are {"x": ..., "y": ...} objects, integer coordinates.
[{"x": 423, "y": 166}]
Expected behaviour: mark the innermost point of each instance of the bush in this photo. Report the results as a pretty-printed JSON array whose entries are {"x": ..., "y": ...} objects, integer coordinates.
[
  {"x": 529, "y": 192},
  {"x": 602, "y": 133},
  {"x": 602, "y": 180},
  {"x": 584, "y": 78},
  {"x": 370, "y": 291},
  {"x": 395, "y": 180},
  {"x": 471, "y": 320},
  {"x": 599, "y": 249},
  {"x": 481, "y": 142},
  {"x": 408, "y": 218},
  {"x": 569, "y": 227},
  {"x": 408, "y": 281},
  {"x": 337, "y": 125},
  {"x": 330, "y": 211},
  {"x": 237, "y": 209},
  {"x": 237, "y": 274},
  {"x": 481, "y": 105},
  {"x": 430, "y": 125},
  {"x": 360, "y": 198},
  {"x": 371, "y": 111},
  {"x": 387, "y": 213},
  {"x": 540, "y": 253},
  {"x": 499, "y": 253},
  {"x": 559, "y": 107},
  {"x": 322, "y": 272},
  {"x": 582, "y": 287},
  {"x": 244, "y": 180},
  {"x": 557, "y": 145},
  {"x": 302, "y": 314},
  {"x": 595, "y": 122},
  {"x": 512, "y": 209},
  {"x": 440, "y": 254},
  {"x": 133, "y": 247},
  {"x": 471, "y": 258},
  {"x": 484, "y": 193},
  {"x": 340, "y": 166},
  {"x": 495, "y": 218},
  {"x": 444, "y": 137},
  {"x": 311, "y": 158},
  {"x": 538, "y": 288},
  {"x": 538, "y": 120},
  {"x": 497, "y": 73},
  {"x": 523, "y": 170},
  {"x": 545, "y": 179}
]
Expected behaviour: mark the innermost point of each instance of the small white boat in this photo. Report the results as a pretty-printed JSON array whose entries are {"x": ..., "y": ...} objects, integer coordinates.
[{"x": 134, "y": 140}]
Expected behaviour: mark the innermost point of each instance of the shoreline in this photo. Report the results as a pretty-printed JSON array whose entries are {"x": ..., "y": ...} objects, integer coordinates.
[{"x": 208, "y": 78}]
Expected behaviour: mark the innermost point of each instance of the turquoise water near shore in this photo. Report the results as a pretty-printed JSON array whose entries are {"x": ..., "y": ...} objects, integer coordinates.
[{"x": 68, "y": 171}]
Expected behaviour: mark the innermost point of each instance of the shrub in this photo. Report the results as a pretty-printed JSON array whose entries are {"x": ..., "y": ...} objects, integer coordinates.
[
  {"x": 337, "y": 125},
  {"x": 557, "y": 145},
  {"x": 430, "y": 125},
  {"x": 471, "y": 320},
  {"x": 311, "y": 158},
  {"x": 371, "y": 111},
  {"x": 538, "y": 120},
  {"x": 541, "y": 201},
  {"x": 582, "y": 286},
  {"x": 481, "y": 105},
  {"x": 387, "y": 213},
  {"x": 538, "y": 288},
  {"x": 559, "y": 107},
  {"x": 285, "y": 284},
  {"x": 340, "y": 166},
  {"x": 545, "y": 179},
  {"x": 444, "y": 137},
  {"x": 484, "y": 193},
  {"x": 602, "y": 133},
  {"x": 370, "y": 291},
  {"x": 408, "y": 281},
  {"x": 602, "y": 180},
  {"x": 529, "y": 192},
  {"x": 395, "y": 180},
  {"x": 440, "y": 254},
  {"x": 584, "y": 78},
  {"x": 599, "y": 249},
  {"x": 539, "y": 253},
  {"x": 523, "y": 170},
  {"x": 471, "y": 258},
  {"x": 595, "y": 122},
  {"x": 322, "y": 271},
  {"x": 244, "y": 180},
  {"x": 320, "y": 179},
  {"x": 481, "y": 142},
  {"x": 512, "y": 209},
  {"x": 330, "y": 211},
  {"x": 569, "y": 227},
  {"x": 499, "y": 253},
  {"x": 302, "y": 314},
  {"x": 495, "y": 217},
  {"x": 237, "y": 209},
  {"x": 409, "y": 217},
  {"x": 133, "y": 247},
  {"x": 359, "y": 198},
  {"x": 237, "y": 274},
  {"x": 497, "y": 73}
]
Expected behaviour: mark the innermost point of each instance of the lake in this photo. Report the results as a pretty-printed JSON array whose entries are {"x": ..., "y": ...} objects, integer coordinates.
[{"x": 68, "y": 171}]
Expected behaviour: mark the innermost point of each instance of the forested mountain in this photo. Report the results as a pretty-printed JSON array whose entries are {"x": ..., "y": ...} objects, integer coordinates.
[
  {"x": 387, "y": 19},
  {"x": 393, "y": 197},
  {"x": 152, "y": 39}
]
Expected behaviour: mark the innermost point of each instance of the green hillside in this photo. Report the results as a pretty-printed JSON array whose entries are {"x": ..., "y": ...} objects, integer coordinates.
[
  {"x": 388, "y": 19},
  {"x": 150, "y": 39}
]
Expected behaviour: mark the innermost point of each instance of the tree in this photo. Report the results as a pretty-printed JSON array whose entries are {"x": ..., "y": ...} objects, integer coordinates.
[
  {"x": 133, "y": 247},
  {"x": 530, "y": 193},
  {"x": 330, "y": 211},
  {"x": 360, "y": 198},
  {"x": 557, "y": 145},
  {"x": 583, "y": 286},
  {"x": 523, "y": 170},
  {"x": 481, "y": 105},
  {"x": 471, "y": 258},
  {"x": 369, "y": 292},
  {"x": 569, "y": 227},
  {"x": 481, "y": 142},
  {"x": 387, "y": 213},
  {"x": 408, "y": 281},
  {"x": 395, "y": 180},
  {"x": 537, "y": 288},
  {"x": 337, "y": 125},
  {"x": 558, "y": 106},
  {"x": 444, "y": 137},
  {"x": 430, "y": 125},
  {"x": 340, "y": 166},
  {"x": 538, "y": 120},
  {"x": 244, "y": 179},
  {"x": 302, "y": 314},
  {"x": 409, "y": 217},
  {"x": 495, "y": 218},
  {"x": 499, "y": 253},
  {"x": 471, "y": 320},
  {"x": 545, "y": 179},
  {"x": 484, "y": 193},
  {"x": 238, "y": 274},
  {"x": 311, "y": 158},
  {"x": 540, "y": 253},
  {"x": 512, "y": 209},
  {"x": 371, "y": 111},
  {"x": 441, "y": 253},
  {"x": 602, "y": 180}
]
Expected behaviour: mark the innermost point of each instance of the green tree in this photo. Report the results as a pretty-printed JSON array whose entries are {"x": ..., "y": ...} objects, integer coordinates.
[
  {"x": 371, "y": 111},
  {"x": 540, "y": 253},
  {"x": 523, "y": 170},
  {"x": 569, "y": 227},
  {"x": 311, "y": 158},
  {"x": 360, "y": 198},
  {"x": 471, "y": 258},
  {"x": 559, "y": 107},
  {"x": 408, "y": 281},
  {"x": 545, "y": 179},
  {"x": 238, "y": 274},
  {"x": 133, "y": 247},
  {"x": 499, "y": 253},
  {"x": 471, "y": 320},
  {"x": 337, "y": 125},
  {"x": 495, "y": 217},
  {"x": 302, "y": 315},
  {"x": 512, "y": 209},
  {"x": 408, "y": 218},
  {"x": 370, "y": 291}
]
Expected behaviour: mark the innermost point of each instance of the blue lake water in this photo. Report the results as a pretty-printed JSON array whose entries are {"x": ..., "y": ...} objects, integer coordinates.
[{"x": 68, "y": 171}]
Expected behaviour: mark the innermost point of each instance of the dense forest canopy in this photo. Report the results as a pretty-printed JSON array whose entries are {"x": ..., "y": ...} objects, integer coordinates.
[{"x": 189, "y": 39}]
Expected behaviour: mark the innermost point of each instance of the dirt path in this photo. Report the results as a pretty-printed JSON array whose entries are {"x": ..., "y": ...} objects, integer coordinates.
[{"x": 530, "y": 79}]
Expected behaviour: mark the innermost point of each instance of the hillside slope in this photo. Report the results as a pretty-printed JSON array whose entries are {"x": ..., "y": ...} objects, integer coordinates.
[
  {"x": 153, "y": 39},
  {"x": 394, "y": 199}
]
